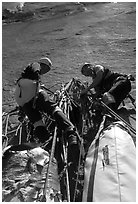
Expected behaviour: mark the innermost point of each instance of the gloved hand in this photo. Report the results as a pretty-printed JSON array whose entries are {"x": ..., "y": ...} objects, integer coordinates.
[{"x": 96, "y": 105}]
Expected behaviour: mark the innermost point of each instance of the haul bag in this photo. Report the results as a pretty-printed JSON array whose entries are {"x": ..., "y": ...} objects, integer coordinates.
[{"x": 110, "y": 167}]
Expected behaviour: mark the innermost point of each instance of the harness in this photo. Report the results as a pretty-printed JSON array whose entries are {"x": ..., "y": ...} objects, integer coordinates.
[{"x": 36, "y": 94}]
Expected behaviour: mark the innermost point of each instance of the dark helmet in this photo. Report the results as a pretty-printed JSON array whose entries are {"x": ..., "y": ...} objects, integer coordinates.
[{"x": 86, "y": 65}]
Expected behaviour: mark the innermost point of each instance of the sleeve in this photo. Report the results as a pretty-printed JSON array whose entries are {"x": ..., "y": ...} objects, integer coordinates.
[{"x": 99, "y": 69}]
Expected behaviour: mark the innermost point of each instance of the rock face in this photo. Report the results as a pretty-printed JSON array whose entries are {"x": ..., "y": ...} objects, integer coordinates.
[
  {"x": 69, "y": 34},
  {"x": 24, "y": 177}
]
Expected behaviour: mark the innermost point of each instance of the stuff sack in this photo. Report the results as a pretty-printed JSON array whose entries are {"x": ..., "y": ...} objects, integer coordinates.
[
  {"x": 26, "y": 89},
  {"x": 110, "y": 167}
]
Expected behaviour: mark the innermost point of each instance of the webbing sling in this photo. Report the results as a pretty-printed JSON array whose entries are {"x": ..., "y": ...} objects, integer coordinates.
[{"x": 93, "y": 167}]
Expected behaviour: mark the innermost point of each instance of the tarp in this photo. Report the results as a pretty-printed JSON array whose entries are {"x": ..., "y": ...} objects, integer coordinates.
[{"x": 110, "y": 167}]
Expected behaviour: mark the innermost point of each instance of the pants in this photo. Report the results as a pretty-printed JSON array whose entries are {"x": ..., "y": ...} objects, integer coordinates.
[
  {"x": 120, "y": 89},
  {"x": 44, "y": 104}
]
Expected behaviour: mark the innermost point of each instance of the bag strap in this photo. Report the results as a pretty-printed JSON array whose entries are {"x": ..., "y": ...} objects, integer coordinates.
[
  {"x": 36, "y": 93},
  {"x": 17, "y": 82}
]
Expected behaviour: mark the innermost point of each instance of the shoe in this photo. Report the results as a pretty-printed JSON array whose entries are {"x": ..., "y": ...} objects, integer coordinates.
[
  {"x": 108, "y": 98},
  {"x": 71, "y": 136},
  {"x": 72, "y": 140}
]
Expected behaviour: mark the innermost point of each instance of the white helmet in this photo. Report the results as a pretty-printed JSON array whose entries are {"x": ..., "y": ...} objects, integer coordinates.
[{"x": 45, "y": 64}]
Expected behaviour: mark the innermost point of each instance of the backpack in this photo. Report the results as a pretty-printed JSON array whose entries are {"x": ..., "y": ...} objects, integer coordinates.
[
  {"x": 28, "y": 84},
  {"x": 26, "y": 89}
]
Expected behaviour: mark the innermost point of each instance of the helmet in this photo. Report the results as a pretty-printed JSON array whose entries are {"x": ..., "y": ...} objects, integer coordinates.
[
  {"x": 45, "y": 64},
  {"x": 85, "y": 66}
]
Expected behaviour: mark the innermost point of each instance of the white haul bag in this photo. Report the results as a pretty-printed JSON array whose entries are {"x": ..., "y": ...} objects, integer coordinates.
[{"x": 110, "y": 167}]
